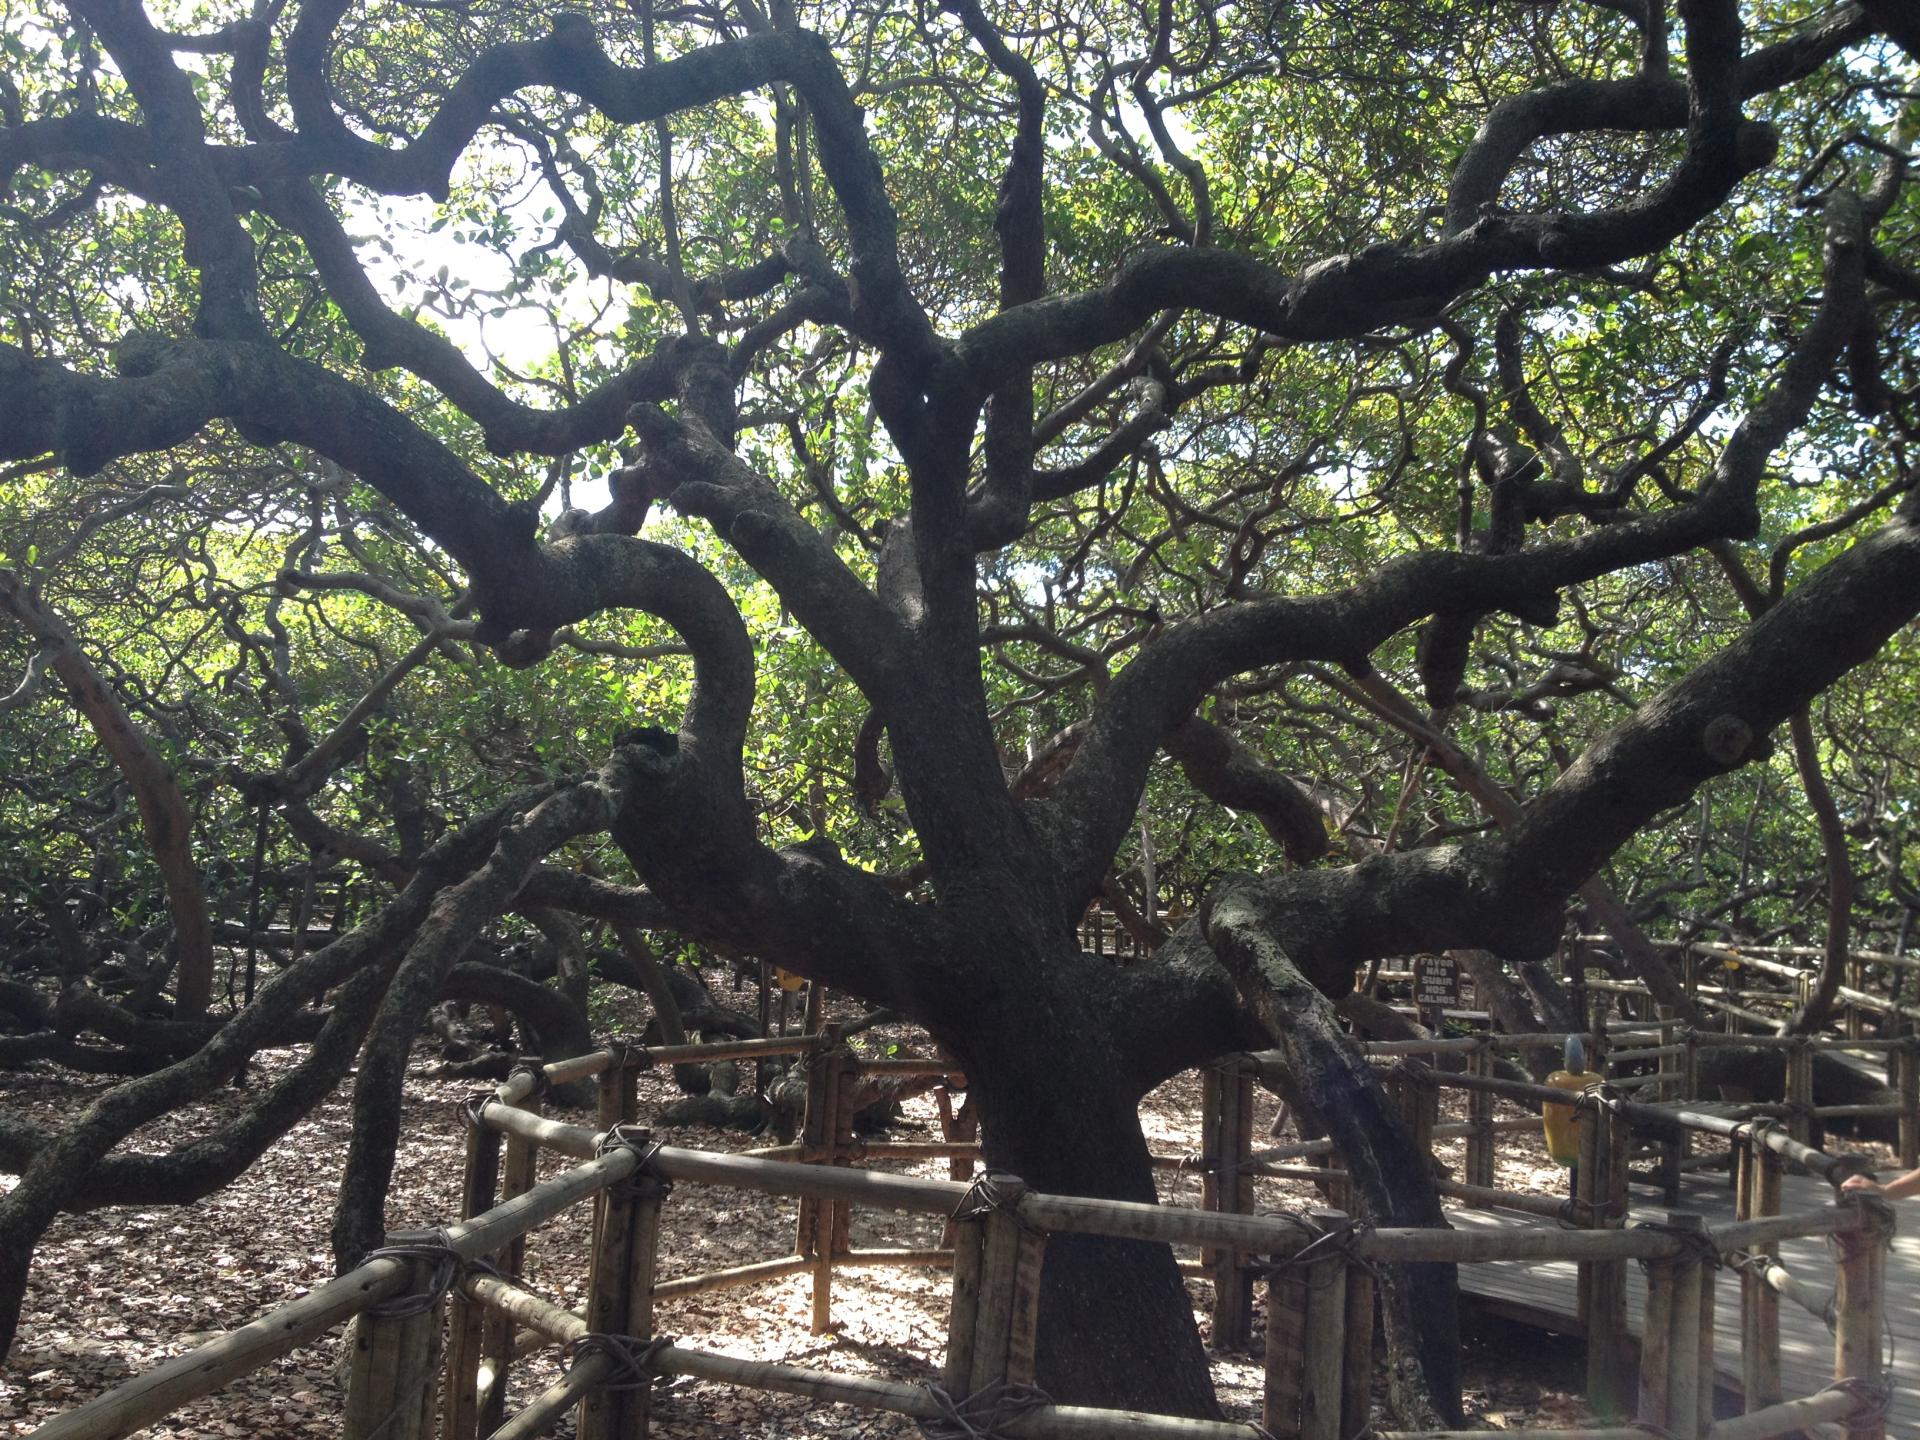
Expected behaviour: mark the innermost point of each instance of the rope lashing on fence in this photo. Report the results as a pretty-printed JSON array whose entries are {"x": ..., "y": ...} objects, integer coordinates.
[
  {"x": 1578, "y": 1214},
  {"x": 433, "y": 1245},
  {"x": 633, "y": 1358},
  {"x": 1873, "y": 1400},
  {"x": 1696, "y": 1246},
  {"x": 980, "y": 1415}
]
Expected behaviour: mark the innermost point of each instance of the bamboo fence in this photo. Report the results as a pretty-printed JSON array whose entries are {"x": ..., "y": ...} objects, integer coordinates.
[{"x": 446, "y": 1357}]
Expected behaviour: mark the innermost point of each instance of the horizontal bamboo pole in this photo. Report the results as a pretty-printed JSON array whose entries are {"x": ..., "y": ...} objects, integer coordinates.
[
  {"x": 1788, "y": 1418},
  {"x": 774, "y": 1152},
  {"x": 1132, "y": 1220},
  {"x": 1836, "y": 1112},
  {"x": 577, "y": 1067},
  {"x": 579, "y": 1141},
  {"x": 1616, "y": 1432},
  {"x": 553, "y": 1323},
  {"x": 1298, "y": 1150},
  {"x": 515, "y": 1088},
  {"x": 186, "y": 1378},
  {"x": 1783, "y": 1282},
  {"x": 884, "y": 1256},
  {"x": 873, "y": 1188},
  {"x": 1295, "y": 1172},
  {"x": 1530, "y": 1242},
  {"x": 1067, "y": 1422},
  {"x": 200, "y": 1372},
  {"x": 1550, "y": 1206},
  {"x": 756, "y": 1048},
  {"x": 911, "y": 1065},
  {"x": 583, "y": 1377},
  {"x": 918, "y": 1149},
  {"x": 1510, "y": 1125},
  {"x": 1745, "y": 1234},
  {"x": 1742, "y": 953},
  {"x": 1640, "y": 1056},
  {"x": 732, "y": 1277}
]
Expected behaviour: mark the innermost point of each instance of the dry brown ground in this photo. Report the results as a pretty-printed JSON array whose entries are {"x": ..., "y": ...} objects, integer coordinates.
[{"x": 118, "y": 1291}]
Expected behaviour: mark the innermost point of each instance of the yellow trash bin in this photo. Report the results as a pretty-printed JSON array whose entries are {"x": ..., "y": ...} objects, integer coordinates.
[{"x": 1563, "y": 1133}]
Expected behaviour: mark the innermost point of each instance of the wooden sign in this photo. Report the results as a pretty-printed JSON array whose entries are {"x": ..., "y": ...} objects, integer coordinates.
[{"x": 1436, "y": 983}]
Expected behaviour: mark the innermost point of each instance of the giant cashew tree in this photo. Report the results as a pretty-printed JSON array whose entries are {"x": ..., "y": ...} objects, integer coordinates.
[{"x": 1092, "y": 400}]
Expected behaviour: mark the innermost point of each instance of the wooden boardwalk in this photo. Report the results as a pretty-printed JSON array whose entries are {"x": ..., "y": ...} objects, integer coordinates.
[{"x": 1543, "y": 1292}]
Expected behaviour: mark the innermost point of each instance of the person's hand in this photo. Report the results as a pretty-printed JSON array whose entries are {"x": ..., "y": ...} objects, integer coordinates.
[{"x": 1861, "y": 1184}]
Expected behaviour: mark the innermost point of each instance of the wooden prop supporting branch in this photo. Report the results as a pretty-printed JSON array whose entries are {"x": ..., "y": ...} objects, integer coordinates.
[{"x": 1226, "y": 1142}]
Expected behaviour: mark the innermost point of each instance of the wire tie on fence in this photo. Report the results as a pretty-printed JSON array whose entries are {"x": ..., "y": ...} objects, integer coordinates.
[
  {"x": 992, "y": 1191},
  {"x": 646, "y": 1151},
  {"x": 1343, "y": 1241},
  {"x": 633, "y": 1358},
  {"x": 536, "y": 1074},
  {"x": 426, "y": 1245},
  {"x": 629, "y": 1055},
  {"x": 475, "y": 1106},
  {"x": 1695, "y": 1245},
  {"x": 979, "y": 1415}
]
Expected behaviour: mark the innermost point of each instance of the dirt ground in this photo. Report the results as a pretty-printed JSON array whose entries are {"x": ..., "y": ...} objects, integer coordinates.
[{"x": 116, "y": 1292}]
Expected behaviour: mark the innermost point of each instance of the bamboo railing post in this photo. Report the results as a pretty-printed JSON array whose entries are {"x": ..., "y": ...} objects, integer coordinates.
[
  {"x": 620, "y": 1292},
  {"x": 1676, "y": 1356},
  {"x": 1480, "y": 1117},
  {"x": 1228, "y": 1187},
  {"x": 1603, "y": 1283},
  {"x": 1309, "y": 1384},
  {"x": 993, "y": 1323},
  {"x": 459, "y": 1416},
  {"x": 828, "y": 1075},
  {"x": 1757, "y": 1197},
  {"x": 1909, "y": 1137},
  {"x": 1799, "y": 1090},
  {"x": 391, "y": 1393},
  {"x": 1671, "y": 1088},
  {"x": 1356, "y": 1383},
  {"x": 1859, "y": 1302},
  {"x": 517, "y": 1174}
]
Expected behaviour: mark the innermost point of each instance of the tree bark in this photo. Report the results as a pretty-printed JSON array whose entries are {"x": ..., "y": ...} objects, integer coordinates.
[{"x": 164, "y": 815}]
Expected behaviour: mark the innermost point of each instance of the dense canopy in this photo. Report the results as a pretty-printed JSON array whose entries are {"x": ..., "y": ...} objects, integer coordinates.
[{"x": 852, "y": 485}]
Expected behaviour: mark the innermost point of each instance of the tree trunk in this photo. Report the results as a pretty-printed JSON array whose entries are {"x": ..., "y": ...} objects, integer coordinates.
[
  {"x": 1116, "y": 1325},
  {"x": 1059, "y": 1108},
  {"x": 164, "y": 814}
]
